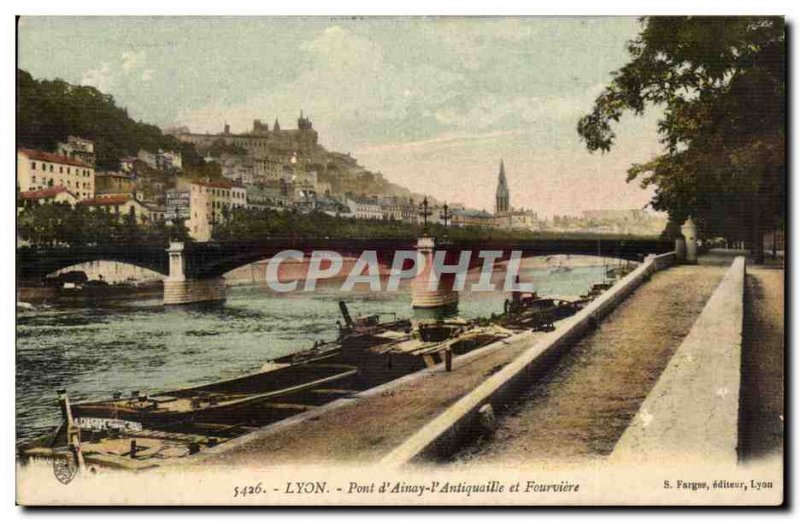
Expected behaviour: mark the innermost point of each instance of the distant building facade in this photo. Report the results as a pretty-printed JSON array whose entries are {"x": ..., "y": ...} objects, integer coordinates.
[
  {"x": 113, "y": 183},
  {"x": 78, "y": 148},
  {"x": 363, "y": 208},
  {"x": 56, "y": 194},
  {"x": 122, "y": 205},
  {"x": 261, "y": 141},
  {"x": 38, "y": 170},
  {"x": 210, "y": 203}
]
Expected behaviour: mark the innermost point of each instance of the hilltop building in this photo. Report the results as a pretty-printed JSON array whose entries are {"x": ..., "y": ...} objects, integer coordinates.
[{"x": 261, "y": 142}]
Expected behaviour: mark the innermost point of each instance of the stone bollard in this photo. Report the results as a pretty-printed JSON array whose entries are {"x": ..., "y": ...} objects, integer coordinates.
[
  {"x": 689, "y": 230},
  {"x": 486, "y": 418}
]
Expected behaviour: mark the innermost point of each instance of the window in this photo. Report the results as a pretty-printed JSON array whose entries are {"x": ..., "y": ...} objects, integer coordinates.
[
  {"x": 61, "y": 170},
  {"x": 51, "y": 168},
  {"x": 33, "y": 165}
]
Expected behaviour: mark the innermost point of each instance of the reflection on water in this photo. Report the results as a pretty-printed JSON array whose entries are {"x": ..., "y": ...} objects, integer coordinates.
[{"x": 122, "y": 346}]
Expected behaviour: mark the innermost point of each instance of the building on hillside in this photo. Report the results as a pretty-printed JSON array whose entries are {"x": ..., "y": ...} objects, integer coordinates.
[
  {"x": 122, "y": 206},
  {"x": 267, "y": 169},
  {"x": 113, "y": 183},
  {"x": 148, "y": 158},
  {"x": 332, "y": 207},
  {"x": 263, "y": 142},
  {"x": 304, "y": 184},
  {"x": 126, "y": 164},
  {"x": 156, "y": 212},
  {"x": 363, "y": 208},
  {"x": 400, "y": 209},
  {"x": 56, "y": 194},
  {"x": 467, "y": 217},
  {"x": 78, "y": 148},
  {"x": 392, "y": 209},
  {"x": 324, "y": 188},
  {"x": 238, "y": 169},
  {"x": 37, "y": 169},
  {"x": 521, "y": 219},
  {"x": 211, "y": 203},
  {"x": 167, "y": 161},
  {"x": 269, "y": 196}
]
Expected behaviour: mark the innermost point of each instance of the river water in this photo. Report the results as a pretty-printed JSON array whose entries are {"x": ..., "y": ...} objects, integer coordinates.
[{"x": 93, "y": 351}]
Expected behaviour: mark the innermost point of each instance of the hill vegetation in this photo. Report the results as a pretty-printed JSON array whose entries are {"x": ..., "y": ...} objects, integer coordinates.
[{"x": 50, "y": 110}]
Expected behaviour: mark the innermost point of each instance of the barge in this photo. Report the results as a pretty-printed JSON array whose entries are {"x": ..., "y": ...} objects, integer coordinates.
[{"x": 142, "y": 430}]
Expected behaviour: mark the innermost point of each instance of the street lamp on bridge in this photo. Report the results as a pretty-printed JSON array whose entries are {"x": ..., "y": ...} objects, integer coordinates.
[
  {"x": 424, "y": 212},
  {"x": 445, "y": 215}
]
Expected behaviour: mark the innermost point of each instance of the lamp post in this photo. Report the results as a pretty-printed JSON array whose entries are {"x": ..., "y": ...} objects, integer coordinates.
[
  {"x": 424, "y": 212},
  {"x": 445, "y": 215}
]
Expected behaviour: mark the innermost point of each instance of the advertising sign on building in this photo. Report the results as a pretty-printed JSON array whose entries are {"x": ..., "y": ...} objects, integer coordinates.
[{"x": 177, "y": 206}]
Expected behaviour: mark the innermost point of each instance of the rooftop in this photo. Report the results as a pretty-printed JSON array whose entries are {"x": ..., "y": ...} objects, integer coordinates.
[
  {"x": 214, "y": 184},
  {"x": 45, "y": 193},
  {"x": 113, "y": 200},
  {"x": 53, "y": 158}
]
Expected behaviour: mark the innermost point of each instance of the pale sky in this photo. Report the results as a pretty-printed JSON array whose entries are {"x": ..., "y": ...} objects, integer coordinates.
[{"x": 432, "y": 103}]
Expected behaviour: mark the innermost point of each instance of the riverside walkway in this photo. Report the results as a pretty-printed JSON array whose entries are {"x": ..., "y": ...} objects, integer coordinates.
[{"x": 588, "y": 399}]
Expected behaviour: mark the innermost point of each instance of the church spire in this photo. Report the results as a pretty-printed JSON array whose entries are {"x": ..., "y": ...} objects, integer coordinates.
[
  {"x": 277, "y": 126},
  {"x": 502, "y": 197}
]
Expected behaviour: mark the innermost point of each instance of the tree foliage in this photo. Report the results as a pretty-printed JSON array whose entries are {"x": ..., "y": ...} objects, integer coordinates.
[
  {"x": 59, "y": 224},
  {"x": 257, "y": 224},
  {"x": 720, "y": 82}
]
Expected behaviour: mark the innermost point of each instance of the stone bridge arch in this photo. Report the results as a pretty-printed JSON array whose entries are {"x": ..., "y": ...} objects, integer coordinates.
[{"x": 37, "y": 263}]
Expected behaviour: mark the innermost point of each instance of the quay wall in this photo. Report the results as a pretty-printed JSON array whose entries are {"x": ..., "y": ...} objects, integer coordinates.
[
  {"x": 463, "y": 420},
  {"x": 693, "y": 410}
]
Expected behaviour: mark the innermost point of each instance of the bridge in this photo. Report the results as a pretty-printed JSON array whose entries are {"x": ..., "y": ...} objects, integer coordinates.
[{"x": 194, "y": 270}]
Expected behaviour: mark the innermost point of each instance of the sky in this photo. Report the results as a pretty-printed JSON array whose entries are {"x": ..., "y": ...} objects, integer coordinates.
[{"x": 433, "y": 104}]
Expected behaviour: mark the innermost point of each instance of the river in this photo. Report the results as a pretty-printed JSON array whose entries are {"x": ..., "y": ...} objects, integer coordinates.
[{"x": 125, "y": 345}]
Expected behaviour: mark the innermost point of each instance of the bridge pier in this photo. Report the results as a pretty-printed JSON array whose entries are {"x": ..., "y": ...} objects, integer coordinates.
[
  {"x": 421, "y": 296},
  {"x": 178, "y": 289}
]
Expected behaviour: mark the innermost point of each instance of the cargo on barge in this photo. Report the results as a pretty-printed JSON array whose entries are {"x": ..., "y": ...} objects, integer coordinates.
[{"x": 141, "y": 430}]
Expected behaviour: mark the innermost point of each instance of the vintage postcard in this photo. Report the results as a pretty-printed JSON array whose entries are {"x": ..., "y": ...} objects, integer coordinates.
[{"x": 400, "y": 260}]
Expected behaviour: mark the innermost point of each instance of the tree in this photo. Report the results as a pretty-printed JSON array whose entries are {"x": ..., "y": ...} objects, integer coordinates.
[
  {"x": 720, "y": 82},
  {"x": 50, "y": 110}
]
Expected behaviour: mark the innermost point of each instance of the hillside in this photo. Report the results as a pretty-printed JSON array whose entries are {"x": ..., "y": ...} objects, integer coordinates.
[
  {"x": 50, "y": 110},
  {"x": 345, "y": 175}
]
